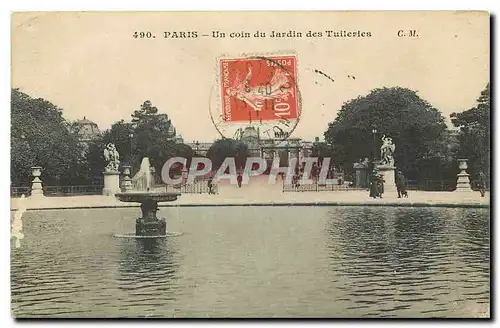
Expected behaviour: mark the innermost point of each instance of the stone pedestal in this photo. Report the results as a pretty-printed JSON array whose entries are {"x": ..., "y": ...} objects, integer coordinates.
[
  {"x": 463, "y": 182},
  {"x": 36, "y": 186},
  {"x": 149, "y": 224},
  {"x": 387, "y": 172},
  {"x": 111, "y": 183}
]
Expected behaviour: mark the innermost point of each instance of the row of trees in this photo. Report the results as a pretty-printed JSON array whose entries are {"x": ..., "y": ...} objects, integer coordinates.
[
  {"x": 40, "y": 136},
  {"x": 425, "y": 149}
]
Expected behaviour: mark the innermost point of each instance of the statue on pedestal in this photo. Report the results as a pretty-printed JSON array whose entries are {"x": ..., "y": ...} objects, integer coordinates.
[
  {"x": 387, "y": 151},
  {"x": 112, "y": 158}
]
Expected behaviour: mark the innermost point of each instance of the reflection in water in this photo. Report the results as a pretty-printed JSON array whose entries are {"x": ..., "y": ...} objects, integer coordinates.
[
  {"x": 476, "y": 231},
  {"x": 147, "y": 274},
  {"x": 388, "y": 235},
  {"x": 142, "y": 256},
  {"x": 395, "y": 258},
  {"x": 297, "y": 261},
  {"x": 416, "y": 232}
]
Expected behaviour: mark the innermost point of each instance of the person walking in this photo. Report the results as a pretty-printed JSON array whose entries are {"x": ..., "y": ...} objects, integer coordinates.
[
  {"x": 482, "y": 183},
  {"x": 210, "y": 186},
  {"x": 297, "y": 181},
  {"x": 239, "y": 178},
  {"x": 374, "y": 185},
  {"x": 380, "y": 183},
  {"x": 401, "y": 184}
]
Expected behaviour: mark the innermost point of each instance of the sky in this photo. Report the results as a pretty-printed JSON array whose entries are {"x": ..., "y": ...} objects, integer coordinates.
[{"x": 89, "y": 64}]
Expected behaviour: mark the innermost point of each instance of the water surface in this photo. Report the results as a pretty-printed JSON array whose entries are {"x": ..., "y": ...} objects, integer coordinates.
[{"x": 255, "y": 262}]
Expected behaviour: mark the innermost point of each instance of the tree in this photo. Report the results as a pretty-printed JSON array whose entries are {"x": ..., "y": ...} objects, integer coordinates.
[
  {"x": 94, "y": 158},
  {"x": 321, "y": 150},
  {"x": 153, "y": 136},
  {"x": 40, "y": 136},
  {"x": 474, "y": 135},
  {"x": 224, "y": 148},
  {"x": 185, "y": 151},
  {"x": 415, "y": 126}
]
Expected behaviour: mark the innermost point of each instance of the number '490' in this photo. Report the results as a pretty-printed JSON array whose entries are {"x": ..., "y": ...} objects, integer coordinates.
[{"x": 142, "y": 35}]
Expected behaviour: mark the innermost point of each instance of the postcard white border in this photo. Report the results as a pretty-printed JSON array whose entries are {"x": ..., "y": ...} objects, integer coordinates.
[{"x": 148, "y": 5}]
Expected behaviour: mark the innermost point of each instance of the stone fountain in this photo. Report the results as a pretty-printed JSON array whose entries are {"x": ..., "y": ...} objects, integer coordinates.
[{"x": 148, "y": 225}]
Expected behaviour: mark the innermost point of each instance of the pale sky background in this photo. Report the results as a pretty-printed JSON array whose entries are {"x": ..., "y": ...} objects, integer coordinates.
[{"x": 90, "y": 65}]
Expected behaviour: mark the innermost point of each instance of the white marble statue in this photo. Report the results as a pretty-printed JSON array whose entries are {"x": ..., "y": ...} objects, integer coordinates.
[
  {"x": 387, "y": 151},
  {"x": 112, "y": 158},
  {"x": 17, "y": 223}
]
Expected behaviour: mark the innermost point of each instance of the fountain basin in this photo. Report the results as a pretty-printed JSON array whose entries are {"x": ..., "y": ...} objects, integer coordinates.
[
  {"x": 141, "y": 196},
  {"x": 149, "y": 225}
]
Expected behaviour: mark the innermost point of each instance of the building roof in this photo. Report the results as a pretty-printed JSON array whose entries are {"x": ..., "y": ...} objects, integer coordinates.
[
  {"x": 85, "y": 121},
  {"x": 86, "y": 129}
]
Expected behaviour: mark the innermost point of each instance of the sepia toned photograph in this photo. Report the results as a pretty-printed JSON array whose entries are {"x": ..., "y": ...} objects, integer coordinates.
[{"x": 300, "y": 164}]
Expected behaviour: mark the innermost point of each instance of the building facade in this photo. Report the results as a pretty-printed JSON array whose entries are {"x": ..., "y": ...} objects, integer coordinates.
[{"x": 267, "y": 148}]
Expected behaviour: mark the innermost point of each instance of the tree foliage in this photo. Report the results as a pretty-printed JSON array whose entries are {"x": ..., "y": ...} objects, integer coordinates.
[
  {"x": 152, "y": 136},
  {"x": 474, "y": 125},
  {"x": 416, "y": 127},
  {"x": 41, "y": 137},
  {"x": 227, "y": 147},
  {"x": 321, "y": 150}
]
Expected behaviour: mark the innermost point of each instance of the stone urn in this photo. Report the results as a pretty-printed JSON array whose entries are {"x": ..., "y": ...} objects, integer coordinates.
[
  {"x": 36, "y": 171},
  {"x": 463, "y": 182}
]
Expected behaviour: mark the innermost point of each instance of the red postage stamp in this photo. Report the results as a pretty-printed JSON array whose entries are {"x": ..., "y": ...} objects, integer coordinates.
[{"x": 259, "y": 89}]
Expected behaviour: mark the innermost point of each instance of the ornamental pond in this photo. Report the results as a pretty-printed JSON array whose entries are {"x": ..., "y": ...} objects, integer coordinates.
[{"x": 348, "y": 262}]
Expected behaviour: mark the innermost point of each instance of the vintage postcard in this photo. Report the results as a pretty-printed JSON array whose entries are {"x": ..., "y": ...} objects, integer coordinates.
[{"x": 250, "y": 165}]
